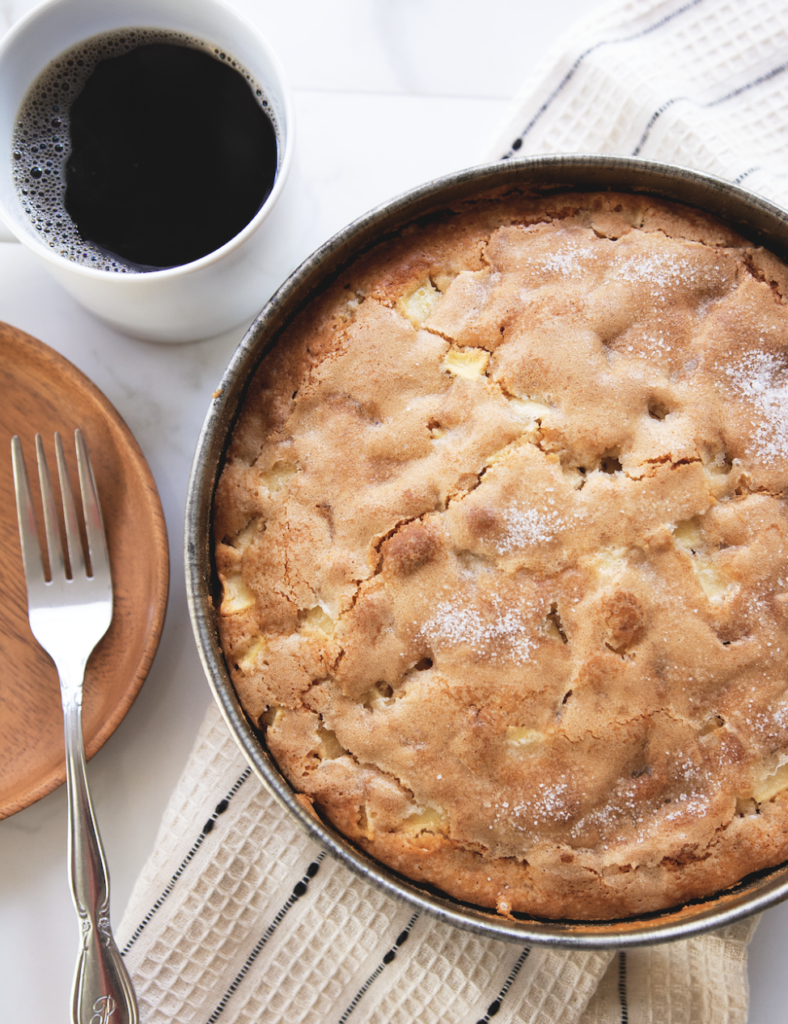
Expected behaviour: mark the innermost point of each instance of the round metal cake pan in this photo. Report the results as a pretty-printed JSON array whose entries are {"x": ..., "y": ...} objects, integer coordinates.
[{"x": 756, "y": 219}]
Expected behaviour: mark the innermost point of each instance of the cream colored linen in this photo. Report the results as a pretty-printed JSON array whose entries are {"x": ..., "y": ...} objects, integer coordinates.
[{"x": 214, "y": 932}]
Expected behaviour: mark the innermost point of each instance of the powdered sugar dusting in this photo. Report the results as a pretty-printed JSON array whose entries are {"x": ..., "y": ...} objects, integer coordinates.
[
  {"x": 623, "y": 801},
  {"x": 762, "y": 378},
  {"x": 502, "y": 632},
  {"x": 564, "y": 260},
  {"x": 550, "y": 803},
  {"x": 528, "y": 526},
  {"x": 689, "y": 806},
  {"x": 659, "y": 270},
  {"x": 657, "y": 343}
]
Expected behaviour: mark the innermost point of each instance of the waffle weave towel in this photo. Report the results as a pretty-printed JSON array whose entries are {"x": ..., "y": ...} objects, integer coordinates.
[
  {"x": 702, "y": 83},
  {"x": 238, "y": 917}
]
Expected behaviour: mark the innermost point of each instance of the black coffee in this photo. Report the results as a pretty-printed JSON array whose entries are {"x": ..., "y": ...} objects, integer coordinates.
[{"x": 139, "y": 150}]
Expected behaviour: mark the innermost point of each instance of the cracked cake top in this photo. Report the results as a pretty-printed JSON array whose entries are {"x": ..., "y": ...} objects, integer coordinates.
[{"x": 502, "y": 541}]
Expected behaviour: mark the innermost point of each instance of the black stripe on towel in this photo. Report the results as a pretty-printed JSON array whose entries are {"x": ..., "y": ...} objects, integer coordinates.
[
  {"x": 387, "y": 959},
  {"x": 220, "y": 808},
  {"x": 653, "y": 120},
  {"x": 517, "y": 144},
  {"x": 745, "y": 174},
  {"x": 299, "y": 889},
  {"x": 759, "y": 167},
  {"x": 622, "y": 986},
  {"x": 495, "y": 1005},
  {"x": 780, "y": 69},
  {"x": 750, "y": 85}
]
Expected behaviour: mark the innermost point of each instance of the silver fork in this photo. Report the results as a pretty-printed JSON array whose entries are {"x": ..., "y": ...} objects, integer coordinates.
[{"x": 68, "y": 617}]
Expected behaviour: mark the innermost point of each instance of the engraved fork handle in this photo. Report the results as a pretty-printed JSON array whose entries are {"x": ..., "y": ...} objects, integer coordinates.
[{"x": 103, "y": 993}]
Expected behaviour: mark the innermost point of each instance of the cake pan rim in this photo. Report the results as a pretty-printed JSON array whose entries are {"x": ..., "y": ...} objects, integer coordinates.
[{"x": 754, "y": 217}]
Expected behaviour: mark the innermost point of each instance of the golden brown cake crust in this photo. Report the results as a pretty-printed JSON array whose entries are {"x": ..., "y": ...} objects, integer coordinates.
[{"x": 504, "y": 550}]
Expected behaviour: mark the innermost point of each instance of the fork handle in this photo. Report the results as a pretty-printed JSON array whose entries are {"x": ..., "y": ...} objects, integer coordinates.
[{"x": 103, "y": 993}]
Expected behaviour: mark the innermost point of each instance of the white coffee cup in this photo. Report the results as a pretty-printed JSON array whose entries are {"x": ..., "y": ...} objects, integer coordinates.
[{"x": 199, "y": 299}]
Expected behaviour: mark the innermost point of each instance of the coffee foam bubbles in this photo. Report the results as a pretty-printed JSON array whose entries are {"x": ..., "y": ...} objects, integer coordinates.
[{"x": 41, "y": 147}]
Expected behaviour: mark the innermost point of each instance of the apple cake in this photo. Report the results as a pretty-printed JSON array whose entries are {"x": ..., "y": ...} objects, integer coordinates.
[{"x": 503, "y": 549}]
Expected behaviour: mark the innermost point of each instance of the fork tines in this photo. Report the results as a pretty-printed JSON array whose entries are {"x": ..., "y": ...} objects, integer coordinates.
[{"x": 28, "y": 532}]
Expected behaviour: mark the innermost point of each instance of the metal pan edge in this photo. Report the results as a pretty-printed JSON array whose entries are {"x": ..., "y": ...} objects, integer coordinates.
[{"x": 755, "y": 218}]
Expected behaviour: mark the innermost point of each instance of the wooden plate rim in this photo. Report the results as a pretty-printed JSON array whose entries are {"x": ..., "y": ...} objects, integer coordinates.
[{"x": 159, "y": 552}]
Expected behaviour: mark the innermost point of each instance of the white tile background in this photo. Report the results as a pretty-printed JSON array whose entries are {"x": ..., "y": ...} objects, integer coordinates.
[{"x": 388, "y": 94}]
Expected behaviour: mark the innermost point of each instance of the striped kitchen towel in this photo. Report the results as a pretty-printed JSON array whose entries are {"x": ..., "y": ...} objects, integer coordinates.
[
  {"x": 701, "y": 83},
  {"x": 239, "y": 918}
]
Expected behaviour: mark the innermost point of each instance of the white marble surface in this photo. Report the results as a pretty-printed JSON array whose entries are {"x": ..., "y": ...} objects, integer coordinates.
[{"x": 388, "y": 94}]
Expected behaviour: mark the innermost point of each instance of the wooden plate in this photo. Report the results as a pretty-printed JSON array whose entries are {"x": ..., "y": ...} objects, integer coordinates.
[{"x": 42, "y": 392}]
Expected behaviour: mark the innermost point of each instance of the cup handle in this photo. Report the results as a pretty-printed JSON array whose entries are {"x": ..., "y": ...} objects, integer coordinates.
[{"x": 6, "y": 234}]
